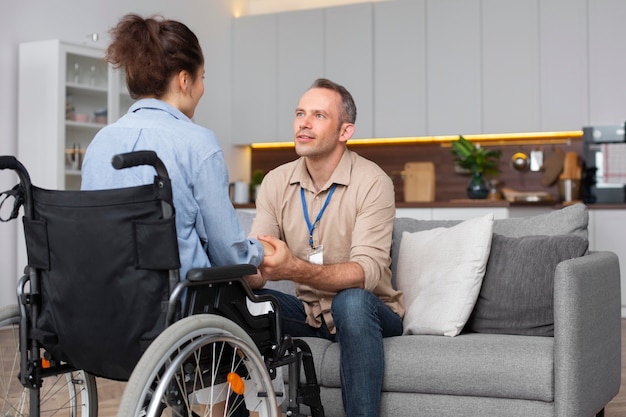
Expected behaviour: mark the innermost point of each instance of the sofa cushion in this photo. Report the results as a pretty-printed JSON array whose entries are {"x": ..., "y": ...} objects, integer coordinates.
[
  {"x": 518, "y": 288},
  {"x": 481, "y": 365},
  {"x": 440, "y": 273},
  {"x": 568, "y": 220}
]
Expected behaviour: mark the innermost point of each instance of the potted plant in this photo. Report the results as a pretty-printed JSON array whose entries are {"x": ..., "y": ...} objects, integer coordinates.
[
  {"x": 255, "y": 183},
  {"x": 479, "y": 162}
]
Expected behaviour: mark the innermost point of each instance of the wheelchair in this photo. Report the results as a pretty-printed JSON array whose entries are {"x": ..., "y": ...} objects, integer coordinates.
[{"x": 101, "y": 297}]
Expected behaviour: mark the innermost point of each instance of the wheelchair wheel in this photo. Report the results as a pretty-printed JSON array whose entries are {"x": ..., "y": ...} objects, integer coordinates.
[
  {"x": 70, "y": 394},
  {"x": 202, "y": 365}
]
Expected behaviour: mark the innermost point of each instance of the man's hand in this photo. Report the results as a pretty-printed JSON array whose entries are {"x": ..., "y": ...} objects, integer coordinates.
[
  {"x": 284, "y": 265},
  {"x": 277, "y": 255}
]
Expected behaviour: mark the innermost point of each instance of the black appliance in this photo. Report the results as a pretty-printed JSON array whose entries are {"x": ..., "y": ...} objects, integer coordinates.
[{"x": 594, "y": 187}]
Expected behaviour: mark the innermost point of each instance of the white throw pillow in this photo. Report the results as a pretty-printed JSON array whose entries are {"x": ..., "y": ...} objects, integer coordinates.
[{"x": 440, "y": 272}]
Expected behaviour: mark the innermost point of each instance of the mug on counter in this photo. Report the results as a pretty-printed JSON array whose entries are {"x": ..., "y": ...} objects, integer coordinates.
[{"x": 239, "y": 192}]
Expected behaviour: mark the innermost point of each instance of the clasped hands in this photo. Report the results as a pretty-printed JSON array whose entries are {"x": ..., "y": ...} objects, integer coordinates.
[{"x": 279, "y": 262}]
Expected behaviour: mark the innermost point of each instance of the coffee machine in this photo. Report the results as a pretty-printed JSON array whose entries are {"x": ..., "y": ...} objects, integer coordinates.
[{"x": 598, "y": 186}]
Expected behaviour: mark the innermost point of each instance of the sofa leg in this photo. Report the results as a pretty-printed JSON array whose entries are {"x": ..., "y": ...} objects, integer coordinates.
[{"x": 601, "y": 413}]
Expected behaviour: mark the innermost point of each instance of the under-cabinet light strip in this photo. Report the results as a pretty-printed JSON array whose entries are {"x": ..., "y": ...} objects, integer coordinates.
[{"x": 528, "y": 138}]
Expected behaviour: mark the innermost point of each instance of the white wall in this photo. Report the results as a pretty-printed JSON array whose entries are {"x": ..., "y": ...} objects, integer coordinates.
[{"x": 22, "y": 21}]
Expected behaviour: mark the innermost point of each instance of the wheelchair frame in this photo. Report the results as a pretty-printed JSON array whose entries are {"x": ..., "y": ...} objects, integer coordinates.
[{"x": 218, "y": 292}]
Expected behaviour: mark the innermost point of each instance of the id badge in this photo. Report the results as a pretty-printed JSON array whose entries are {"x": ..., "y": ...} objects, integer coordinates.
[{"x": 316, "y": 256}]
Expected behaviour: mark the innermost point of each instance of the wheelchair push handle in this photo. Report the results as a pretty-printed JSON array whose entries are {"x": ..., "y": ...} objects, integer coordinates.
[
  {"x": 11, "y": 162},
  {"x": 22, "y": 191},
  {"x": 137, "y": 158}
]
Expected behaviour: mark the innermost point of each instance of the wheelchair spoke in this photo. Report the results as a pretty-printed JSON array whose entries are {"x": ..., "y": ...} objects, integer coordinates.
[
  {"x": 197, "y": 369},
  {"x": 63, "y": 395}
]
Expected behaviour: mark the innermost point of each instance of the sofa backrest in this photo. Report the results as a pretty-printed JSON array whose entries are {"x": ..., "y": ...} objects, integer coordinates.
[{"x": 572, "y": 219}]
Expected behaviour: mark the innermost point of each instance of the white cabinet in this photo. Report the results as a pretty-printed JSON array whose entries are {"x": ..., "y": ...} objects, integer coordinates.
[
  {"x": 454, "y": 67},
  {"x": 437, "y": 67},
  {"x": 607, "y": 62},
  {"x": 607, "y": 229},
  {"x": 254, "y": 110},
  {"x": 66, "y": 94},
  {"x": 276, "y": 57},
  {"x": 510, "y": 66},
  {"x": 348, "y": 55},
  {"x": 400, "y": 88},
  {"x": 300, "y": 62},
  {"x": 563, "y": 68}
]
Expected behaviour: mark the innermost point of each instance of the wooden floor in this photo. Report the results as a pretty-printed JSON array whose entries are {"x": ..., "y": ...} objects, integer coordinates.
[{"x": 109, "y": 392}]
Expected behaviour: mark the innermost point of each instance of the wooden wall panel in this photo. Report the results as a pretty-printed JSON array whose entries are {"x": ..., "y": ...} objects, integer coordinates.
[{"x": 450, "y": 185}]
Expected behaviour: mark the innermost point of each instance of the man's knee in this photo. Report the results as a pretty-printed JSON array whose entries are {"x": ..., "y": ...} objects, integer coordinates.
[{"x": 351, "y": 303}]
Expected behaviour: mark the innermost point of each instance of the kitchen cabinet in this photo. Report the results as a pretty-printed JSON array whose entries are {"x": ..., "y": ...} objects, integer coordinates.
[
  {"x": 254, "y": 109},
  {"x": 454, "y": 67},
  {"x": 607, "y": 228},
  {"x": 349, "y": 58},
  {"x": 607, "y": 63},
  {"x": 563, "y": 69},
  {"x": 66, "y": 94},
  {"x": 400, "y": 88},
  {"x": 510, "y": 66},
  {"x": 438, "y": 67},
  {"x": 276, "y": 57},
  {"x": 300, "y": 62}
]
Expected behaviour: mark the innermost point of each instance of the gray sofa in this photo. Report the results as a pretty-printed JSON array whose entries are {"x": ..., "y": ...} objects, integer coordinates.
[{"x": 575, "y": 372}]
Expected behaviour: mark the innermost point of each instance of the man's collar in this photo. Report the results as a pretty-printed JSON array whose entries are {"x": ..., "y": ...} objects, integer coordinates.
[{"x": 341, "y": 174}]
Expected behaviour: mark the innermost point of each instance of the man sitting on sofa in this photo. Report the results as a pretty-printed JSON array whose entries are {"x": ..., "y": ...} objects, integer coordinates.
[{"x": 329, "y": 217}]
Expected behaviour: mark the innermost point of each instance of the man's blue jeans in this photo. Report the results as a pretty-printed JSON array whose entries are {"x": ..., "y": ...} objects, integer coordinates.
[{"x": 362, "y": 321}]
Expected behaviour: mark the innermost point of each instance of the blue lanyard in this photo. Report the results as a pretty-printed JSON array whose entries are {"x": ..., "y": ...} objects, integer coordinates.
[{"x": 319, "y": 215}]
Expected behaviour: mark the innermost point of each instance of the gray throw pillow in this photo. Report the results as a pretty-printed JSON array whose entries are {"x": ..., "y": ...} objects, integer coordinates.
[{"x": 516, "y": 296}]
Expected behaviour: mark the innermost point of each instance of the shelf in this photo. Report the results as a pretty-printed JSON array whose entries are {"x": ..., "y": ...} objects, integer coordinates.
[
  {"x": 86, "y": 89},
  {"x": 73, "y": 124},
  {"x": 87, "y": 85}
]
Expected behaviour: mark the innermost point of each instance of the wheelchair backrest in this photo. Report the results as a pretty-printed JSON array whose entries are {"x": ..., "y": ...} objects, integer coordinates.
[
  {"x": 102, "y": 260},
  {"x": 101, "y": 265}
]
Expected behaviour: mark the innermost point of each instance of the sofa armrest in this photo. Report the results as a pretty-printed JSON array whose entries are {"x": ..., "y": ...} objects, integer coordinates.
[{"x": 587, "y": 334}]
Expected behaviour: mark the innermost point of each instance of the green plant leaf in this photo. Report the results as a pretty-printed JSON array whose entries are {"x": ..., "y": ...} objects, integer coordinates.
[{"x": 475, "y": 158}]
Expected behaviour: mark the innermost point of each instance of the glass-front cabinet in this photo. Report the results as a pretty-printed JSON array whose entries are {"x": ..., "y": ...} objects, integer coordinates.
[{"x": 67, "y": 93}]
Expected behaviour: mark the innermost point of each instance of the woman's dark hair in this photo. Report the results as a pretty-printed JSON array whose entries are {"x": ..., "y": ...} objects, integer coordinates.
[
  {"x": 151, "y": 51},
  {"x": 348, "y": 108}
]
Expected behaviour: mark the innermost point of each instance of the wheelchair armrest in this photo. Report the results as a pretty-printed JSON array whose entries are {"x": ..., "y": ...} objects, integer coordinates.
[{"x": 220, "y": 272}]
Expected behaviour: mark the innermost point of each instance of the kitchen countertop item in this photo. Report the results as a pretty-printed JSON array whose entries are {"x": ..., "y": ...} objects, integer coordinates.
[
  {"x": 419, "y": 182},
  {"x": 526, "y": 196},
  {"x": 552, "y": 167}
]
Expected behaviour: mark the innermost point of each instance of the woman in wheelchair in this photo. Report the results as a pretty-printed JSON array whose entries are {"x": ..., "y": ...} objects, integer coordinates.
[
  {"x": 164, "y": 67},
  {"x": 187, "y": 347}
]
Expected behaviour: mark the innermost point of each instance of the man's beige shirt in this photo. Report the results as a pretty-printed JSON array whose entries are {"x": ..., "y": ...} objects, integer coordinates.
[{"x": 355, "y": 227}]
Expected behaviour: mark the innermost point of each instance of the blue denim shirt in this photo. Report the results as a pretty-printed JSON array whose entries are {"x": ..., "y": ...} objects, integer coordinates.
[{"x": 209, "y": 232}]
